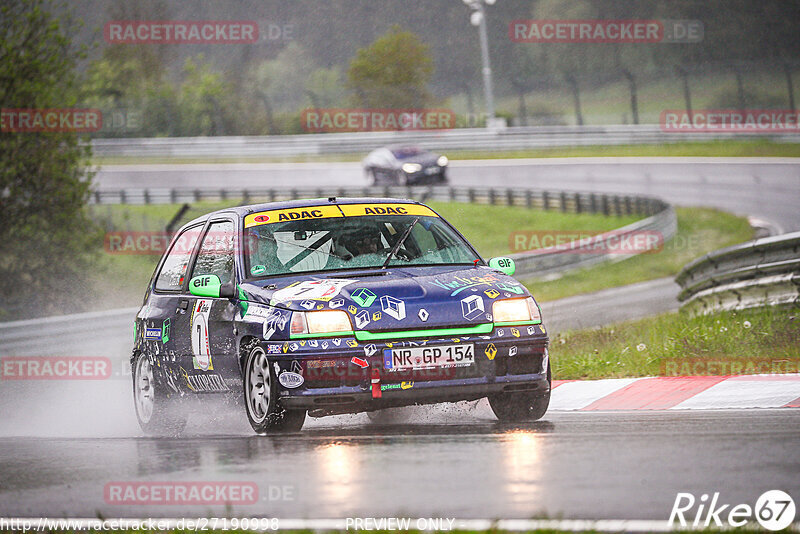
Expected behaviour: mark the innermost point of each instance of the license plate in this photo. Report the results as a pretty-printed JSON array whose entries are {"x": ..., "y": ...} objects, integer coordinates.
[
  {"x": 431, "y": 170},
  {"x": 428, "y": 357}
]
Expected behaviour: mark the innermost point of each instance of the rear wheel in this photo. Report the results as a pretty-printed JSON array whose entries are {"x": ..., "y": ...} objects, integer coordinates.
[
  {"x": 261, "y": 397},
  {"x": 521, "y": 406},
  {"x": 157, "y": 413}
]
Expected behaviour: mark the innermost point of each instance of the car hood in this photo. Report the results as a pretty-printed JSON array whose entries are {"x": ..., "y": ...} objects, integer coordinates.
[
  {"x": 423, "y": 159},
  {"x": 403, "y": 298}
]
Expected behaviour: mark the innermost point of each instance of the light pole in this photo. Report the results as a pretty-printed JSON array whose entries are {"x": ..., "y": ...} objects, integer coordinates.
[{"x": 478, "y": 18}]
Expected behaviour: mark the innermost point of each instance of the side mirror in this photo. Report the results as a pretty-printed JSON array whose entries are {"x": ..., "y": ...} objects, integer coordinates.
[
  {"x": 504, "y": 265},
  {"x": 209, "y": 285}
]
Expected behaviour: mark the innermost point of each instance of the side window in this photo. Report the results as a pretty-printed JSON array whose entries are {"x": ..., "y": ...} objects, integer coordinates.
[
  {"x": 216, "y": 252},
  {"x": 172, "y": 273}
]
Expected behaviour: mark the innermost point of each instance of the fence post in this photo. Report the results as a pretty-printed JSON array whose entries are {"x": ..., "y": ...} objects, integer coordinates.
[
  {"x": 577, "y": 202},
  {"x": 593, "y": 202},
  {"x": 471, "y": 195},
  {"x": 617, "y": 206},
  {"x": 563, "y": 202},
  {"x": 122, "y": 197},
  {"x": 528, "y": 198},
  {"x": 510, "y": 197},
  {"x": 546, "y": 200},
  {"x": 605, "y": 205},
  {"x": 147, "y": 196}
]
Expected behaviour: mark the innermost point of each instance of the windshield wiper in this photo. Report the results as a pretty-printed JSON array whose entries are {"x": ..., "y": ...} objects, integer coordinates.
[{"x": 400, "y": 241}]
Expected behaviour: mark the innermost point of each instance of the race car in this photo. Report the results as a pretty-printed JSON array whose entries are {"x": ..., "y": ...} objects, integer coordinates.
[
  {"x": 405, "y": 165},
  {"x": 331, "y": 306}
]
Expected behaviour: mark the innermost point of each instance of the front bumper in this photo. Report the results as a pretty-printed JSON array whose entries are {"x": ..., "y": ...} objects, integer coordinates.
[{"x": 342, "y": 378}]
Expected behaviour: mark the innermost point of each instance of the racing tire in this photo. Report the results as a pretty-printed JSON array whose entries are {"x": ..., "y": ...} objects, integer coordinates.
[
  {"x": 520, "y": 407},
  {"x": 158, "y": 414},
  {"x": 263, "y": 410}
]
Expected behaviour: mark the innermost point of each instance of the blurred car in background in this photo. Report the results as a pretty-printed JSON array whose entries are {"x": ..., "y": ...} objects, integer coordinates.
[{"x": 405, "y": 165}]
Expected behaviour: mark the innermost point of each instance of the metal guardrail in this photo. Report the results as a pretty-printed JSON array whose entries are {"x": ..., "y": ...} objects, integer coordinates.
[
  {"x": 660, "y": 221},
  {"x": 762, "y": 272},
  {"x": 514, "y": 138}
]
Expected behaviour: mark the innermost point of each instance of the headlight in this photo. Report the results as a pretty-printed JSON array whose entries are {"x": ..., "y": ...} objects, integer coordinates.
[
  {"x": 320, "y": 322},
  {"x": 442, "y": 161},
  {"x": 515, "y": 311},
  {"x": 411, "y": 168}
]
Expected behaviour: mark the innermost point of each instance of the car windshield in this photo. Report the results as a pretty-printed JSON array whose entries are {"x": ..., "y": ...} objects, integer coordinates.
[
  {"x": 406, "y": 152},
  {"x": 354, "y": 242}
]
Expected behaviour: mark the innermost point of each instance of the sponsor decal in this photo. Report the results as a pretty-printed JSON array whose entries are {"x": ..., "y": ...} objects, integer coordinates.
[
  {"x": 336, "y": 303},
  {"x": 165, "y": 326},
  {"x": 293, "y": 347},
  {"x": 256, "y": 270},
  {"x": 320, "y": 364},
  {"x": 337, "y": 341},
  {"x": 370, "y": 349},
  {"x": 201, "y": 351},
  {"x": 363, "y": 297},
  {"x": 512, "y": 351},
  {"x": 501, "y": 332},
  {"x": 362, "y": 319},
  {"x": 460, "y": 283},
  {"x": 423, "y": 314},
  {"x": 393, "y": 307},
  {"x": 472, "y": 307},
  {"x": 359, "y": 210},
  {"x": 310, "y": 290},
  {"x": 152, "y": 334},
  {"x": 491, "y": 351},
  {"x": 352, "y": 343},
  {"x": 515, "y": 332},
  {"x": 290, "y": 379},
  {"x": 492, "y": 293},
  {"x": 210, "y": 382},
  {"x": 292, "y": 214},
  {"x": 359, "y": 362},
  {"x": 401, "y": 385},
  {"x": 273, "y": 349},
  {"x": 531, "y": 330},
  {"x": 376, "y": 316}
]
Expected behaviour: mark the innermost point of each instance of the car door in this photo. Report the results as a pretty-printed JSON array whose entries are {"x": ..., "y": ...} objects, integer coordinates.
[
  {"x": 211, "y": 361},
  {"x": 158, "y": 322}
]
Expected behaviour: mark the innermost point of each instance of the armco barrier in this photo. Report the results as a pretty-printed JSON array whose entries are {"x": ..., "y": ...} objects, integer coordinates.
[
  {"x": 483, "y": 139},
  {"x": 660, "y": 217},
  {"x": 757, "y": 273}
]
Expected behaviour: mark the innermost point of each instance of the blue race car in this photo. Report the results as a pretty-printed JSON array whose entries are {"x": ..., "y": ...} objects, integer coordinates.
[{"x": 333, "y": 306}]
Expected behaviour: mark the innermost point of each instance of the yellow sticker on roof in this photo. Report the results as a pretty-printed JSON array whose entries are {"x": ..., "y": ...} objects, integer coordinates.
[
  {"x": 358, "y": 210},
  {"x": 291, "y": 214}
]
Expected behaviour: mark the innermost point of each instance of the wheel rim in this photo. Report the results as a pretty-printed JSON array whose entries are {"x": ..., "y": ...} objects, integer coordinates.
[
  {"x": 258, "y": 385},
  {"x": 144, "y": 392}
]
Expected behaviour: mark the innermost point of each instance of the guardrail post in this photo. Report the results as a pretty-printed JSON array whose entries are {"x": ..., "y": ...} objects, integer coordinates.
[
  {"x": 122, "y": 198},
  {"x": 223, "y": 194},
  {"x": 606, "y": 209},
  {"x": 97, "y": 197},
  {"x": 196, "y": 195},
  {"x": 627, "y": 205},
  {"x": 593, "y": 203},
  {"x": 528, "y": 198},
  {"x": 617, "y": 206},
  {"x": 245, "y": 196},
  {"x": 577, "y": 203},
  {"x": 471, "y": 195},
  {"x": 452, "y": 193},
  {"x": 491, "y": 196},
  {"x": 146, "y": 196},
  {"x": 173, "y": 196},
  {"x": 546, "y": 200},
  {"x": 510, "y": 197},
  {"x": 563, "y": 196}
]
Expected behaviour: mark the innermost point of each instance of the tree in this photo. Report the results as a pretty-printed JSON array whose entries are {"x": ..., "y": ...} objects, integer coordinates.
[
  {"x": 45, "y": 232},
  {"x": 393, "y": 72}
]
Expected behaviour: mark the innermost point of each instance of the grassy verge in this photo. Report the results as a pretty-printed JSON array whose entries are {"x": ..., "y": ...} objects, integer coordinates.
[
  {"x": 761, "y": 340},
  {"x": 755, "y": 148},
  {"x": 121, "y": 278},
  {"x": 700, "y": 230}
]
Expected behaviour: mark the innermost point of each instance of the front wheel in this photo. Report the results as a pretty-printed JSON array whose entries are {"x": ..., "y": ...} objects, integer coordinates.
[
  {"x": 261, "y": 397},
  {"x": 157, "y": 413},
  {"x": 521, "y": 406}
]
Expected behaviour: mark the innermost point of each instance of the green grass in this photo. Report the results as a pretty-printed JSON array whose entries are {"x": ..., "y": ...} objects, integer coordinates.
[
  {"x": 121, "y": 279},
  {"x": 700, "y": 230},
  {"x": 744, "y": 148},
  {"x": 676, "y": 344}
]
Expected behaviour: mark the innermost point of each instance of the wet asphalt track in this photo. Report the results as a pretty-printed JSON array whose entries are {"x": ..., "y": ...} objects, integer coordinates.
[{"x": 444, "y": 461}]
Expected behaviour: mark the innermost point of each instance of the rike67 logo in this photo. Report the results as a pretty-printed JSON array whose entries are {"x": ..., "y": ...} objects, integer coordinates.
[{"x": 774, "y": 510}]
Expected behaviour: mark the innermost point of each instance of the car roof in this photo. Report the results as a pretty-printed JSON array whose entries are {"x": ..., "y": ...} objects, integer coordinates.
[{"x": 241, "y": 211}]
